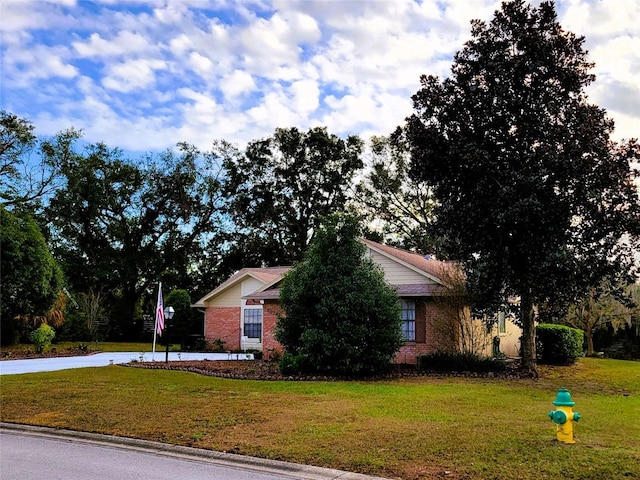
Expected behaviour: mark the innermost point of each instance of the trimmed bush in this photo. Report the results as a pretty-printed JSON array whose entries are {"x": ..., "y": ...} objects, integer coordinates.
[
  {"x": 459, "y": 362},
  {"x": 42, "y": 336},
  {"x": 558, "y": 344}
]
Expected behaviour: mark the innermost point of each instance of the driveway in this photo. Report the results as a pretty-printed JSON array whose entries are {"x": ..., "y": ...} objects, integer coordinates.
[{"x": 12, "y": 367}]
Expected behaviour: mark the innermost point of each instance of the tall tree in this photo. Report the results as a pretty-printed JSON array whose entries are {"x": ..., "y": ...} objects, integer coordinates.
[
  {"x": 599, "y": 309},
  {"x": 340, "y": 315},
  {"x": 120, "y": 226},
  {"x": 29, "y": 167},
  {"x": 31, "y": 279},
  {"x": 533, "y": 195},
  {"x": 281, "y": 186},
  {"x": 401, "y": 205}
]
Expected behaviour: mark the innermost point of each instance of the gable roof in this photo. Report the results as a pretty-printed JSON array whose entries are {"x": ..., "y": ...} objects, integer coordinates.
[
  {"x": 267, "y": 275},
  {"x": 435, "y": 270}
]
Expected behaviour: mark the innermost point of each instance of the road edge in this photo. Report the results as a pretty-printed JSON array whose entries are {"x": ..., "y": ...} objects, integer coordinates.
[{"x": 294, "y": 470}]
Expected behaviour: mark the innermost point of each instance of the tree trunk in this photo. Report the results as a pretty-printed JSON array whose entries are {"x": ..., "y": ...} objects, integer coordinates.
[
  {"x": 589, "y": 335},
  {"x": 528, "y": 339}
]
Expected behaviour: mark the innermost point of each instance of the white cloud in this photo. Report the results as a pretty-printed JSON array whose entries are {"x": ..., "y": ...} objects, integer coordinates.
[
  {"x": 124, "y": 43},
  {"x": 237, "y": 83},
  {"x": 194, "y": 70},
  {"x": 132, "y": 74}
]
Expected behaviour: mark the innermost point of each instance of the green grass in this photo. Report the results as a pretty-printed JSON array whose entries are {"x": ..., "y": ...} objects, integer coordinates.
[
  {"x": 91, "y": 346},
  {"x": 407, "y": 428}
]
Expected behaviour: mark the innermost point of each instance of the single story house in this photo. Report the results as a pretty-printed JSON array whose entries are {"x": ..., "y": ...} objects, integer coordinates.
[{"x": 242, "y": 311}]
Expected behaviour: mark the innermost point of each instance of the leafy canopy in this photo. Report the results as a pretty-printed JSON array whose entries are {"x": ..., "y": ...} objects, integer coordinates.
[
  {"x": 31, "y": 278},
  {"x": 340, "y": 316},
  {"x": 280, "y": 187},
  {"x": 533, "y": 195}
]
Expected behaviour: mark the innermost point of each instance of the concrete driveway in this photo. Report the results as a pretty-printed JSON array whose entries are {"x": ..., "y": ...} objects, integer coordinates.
[{"x": 12, "y": 367}]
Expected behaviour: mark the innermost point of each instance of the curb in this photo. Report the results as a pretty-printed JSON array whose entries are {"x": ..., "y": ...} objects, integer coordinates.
[{"x": 294, "y": 470}]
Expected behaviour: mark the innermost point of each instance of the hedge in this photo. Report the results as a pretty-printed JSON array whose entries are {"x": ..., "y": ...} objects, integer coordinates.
[{"x": 558, "y": 344}]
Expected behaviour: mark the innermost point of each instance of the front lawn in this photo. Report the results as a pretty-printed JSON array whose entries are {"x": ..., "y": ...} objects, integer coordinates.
[{"x": 409, "y": 428}]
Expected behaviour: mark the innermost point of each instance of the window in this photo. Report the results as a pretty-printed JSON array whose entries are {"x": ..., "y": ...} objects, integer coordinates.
[
  {"x": 408, "y": 308},
  {"x": 502, "y": 322},
  {"x": 253, "y": 323}
]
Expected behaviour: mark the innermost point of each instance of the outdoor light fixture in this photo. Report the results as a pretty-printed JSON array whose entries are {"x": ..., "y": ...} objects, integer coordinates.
[{"x": 169, "y": 312}]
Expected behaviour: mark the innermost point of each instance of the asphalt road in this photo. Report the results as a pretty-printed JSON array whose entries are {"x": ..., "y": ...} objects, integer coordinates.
[{"x": 29, "y": 453}]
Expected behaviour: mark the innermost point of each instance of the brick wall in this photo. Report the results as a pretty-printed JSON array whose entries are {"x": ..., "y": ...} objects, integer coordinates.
[
  {"x": 427, "y": 338},
  {"x": 223, "y": 323},
  {"x": 270, "y": 311}
]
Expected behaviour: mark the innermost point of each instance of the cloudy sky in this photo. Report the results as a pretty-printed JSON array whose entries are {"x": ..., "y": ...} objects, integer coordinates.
[{"x": 145, "y": 74}]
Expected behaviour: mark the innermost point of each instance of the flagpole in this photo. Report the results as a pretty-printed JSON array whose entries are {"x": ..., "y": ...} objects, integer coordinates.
[
  {"x": 155, "y": 331},
  {"x": 155, "y": 327}
]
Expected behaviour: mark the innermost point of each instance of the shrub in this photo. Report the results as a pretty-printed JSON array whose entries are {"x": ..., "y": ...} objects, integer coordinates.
[
  {"x": 290, "y": 364},
  {"x": 42, "y": 336},
  {"x": 558, "y": 344},
  {"x": 339, "y": 312},
  {"x": 459, "y": 362}
]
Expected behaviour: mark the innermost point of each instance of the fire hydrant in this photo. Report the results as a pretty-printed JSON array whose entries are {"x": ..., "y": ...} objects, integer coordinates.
[{"x": 564, "y": 416}]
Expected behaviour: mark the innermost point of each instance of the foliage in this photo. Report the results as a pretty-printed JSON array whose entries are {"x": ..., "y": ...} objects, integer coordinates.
[
  {"x": 532, "y": 194},
  {"x": 402, "y": 204},
  {"x": 454, "y": 328},
  {"x": 183, "y": 322},
  {"x": 25, "y": 179},
  {"x": 558, "y": 344},
  {"x": 599, "y": 309},
  {"x": 281, "y": 186},
  {"x": 459, "y": 362},
  {"x": 31, "y": 279},
  {"x": 340, "y": 315},
  {"x": 118, "y": 226},
  {"x": 42, "y": 336}
]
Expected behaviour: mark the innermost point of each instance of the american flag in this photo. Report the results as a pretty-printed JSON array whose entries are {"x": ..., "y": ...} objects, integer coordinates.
[{"x": 160, "y": 312}]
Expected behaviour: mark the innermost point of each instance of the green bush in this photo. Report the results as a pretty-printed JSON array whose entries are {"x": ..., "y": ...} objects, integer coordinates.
[
  {"x": 459, "y": 362},
  {"x": 290, "y": 364},
  {"x": 558, "y": 344},
  {"x": 42, "y": 336}
]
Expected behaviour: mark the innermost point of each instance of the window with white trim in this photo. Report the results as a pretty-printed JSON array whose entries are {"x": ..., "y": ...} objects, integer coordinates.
[
  {"x": 408, "y": 309},
  {"x": 253, "y": 322}
]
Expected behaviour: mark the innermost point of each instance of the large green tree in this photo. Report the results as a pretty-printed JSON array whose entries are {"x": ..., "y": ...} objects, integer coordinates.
[
  {"x": 398, "y": 206},
  {"x": 340, "y": 316},
  {"x": 30, "y": 278},
  {"x": 533, "y": 195},
  {"x": 281, "y": 186},
  {"x": 120, "y": 225}
]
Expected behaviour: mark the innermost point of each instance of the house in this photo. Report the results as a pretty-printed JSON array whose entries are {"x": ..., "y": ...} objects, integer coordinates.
[{"x": 242, "y": 312}]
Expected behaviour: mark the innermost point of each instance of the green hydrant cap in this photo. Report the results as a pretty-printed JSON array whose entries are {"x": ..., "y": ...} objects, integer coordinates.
[{"x": 563, "y": 399}]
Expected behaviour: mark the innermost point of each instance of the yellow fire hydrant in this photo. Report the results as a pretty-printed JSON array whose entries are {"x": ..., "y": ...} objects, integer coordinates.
[{"x": 564, "y": 416}]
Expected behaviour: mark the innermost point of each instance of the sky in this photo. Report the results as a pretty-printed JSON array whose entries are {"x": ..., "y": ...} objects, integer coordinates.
[{"x": 144, "y": 75}]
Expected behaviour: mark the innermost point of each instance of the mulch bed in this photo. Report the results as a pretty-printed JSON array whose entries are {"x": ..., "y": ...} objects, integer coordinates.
[
  {"x": 265, "y": 370},
  {"x": 53, "y": 353}
]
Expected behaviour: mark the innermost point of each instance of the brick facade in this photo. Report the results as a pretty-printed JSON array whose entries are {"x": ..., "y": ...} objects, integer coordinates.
[
  {"x": 223, "y": 323},
  {"x": 270, "y": 312}
]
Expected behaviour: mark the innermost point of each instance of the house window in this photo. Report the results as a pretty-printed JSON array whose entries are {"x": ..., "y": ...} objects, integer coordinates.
[
  {"x": 253, "y": 323},
  {"x": 408, "y": 308},
  {"x": 502, "y": 323}
]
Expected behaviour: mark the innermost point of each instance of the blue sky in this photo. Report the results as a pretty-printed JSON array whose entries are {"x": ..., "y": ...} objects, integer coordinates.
[{"x": 143, "y": 75}]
